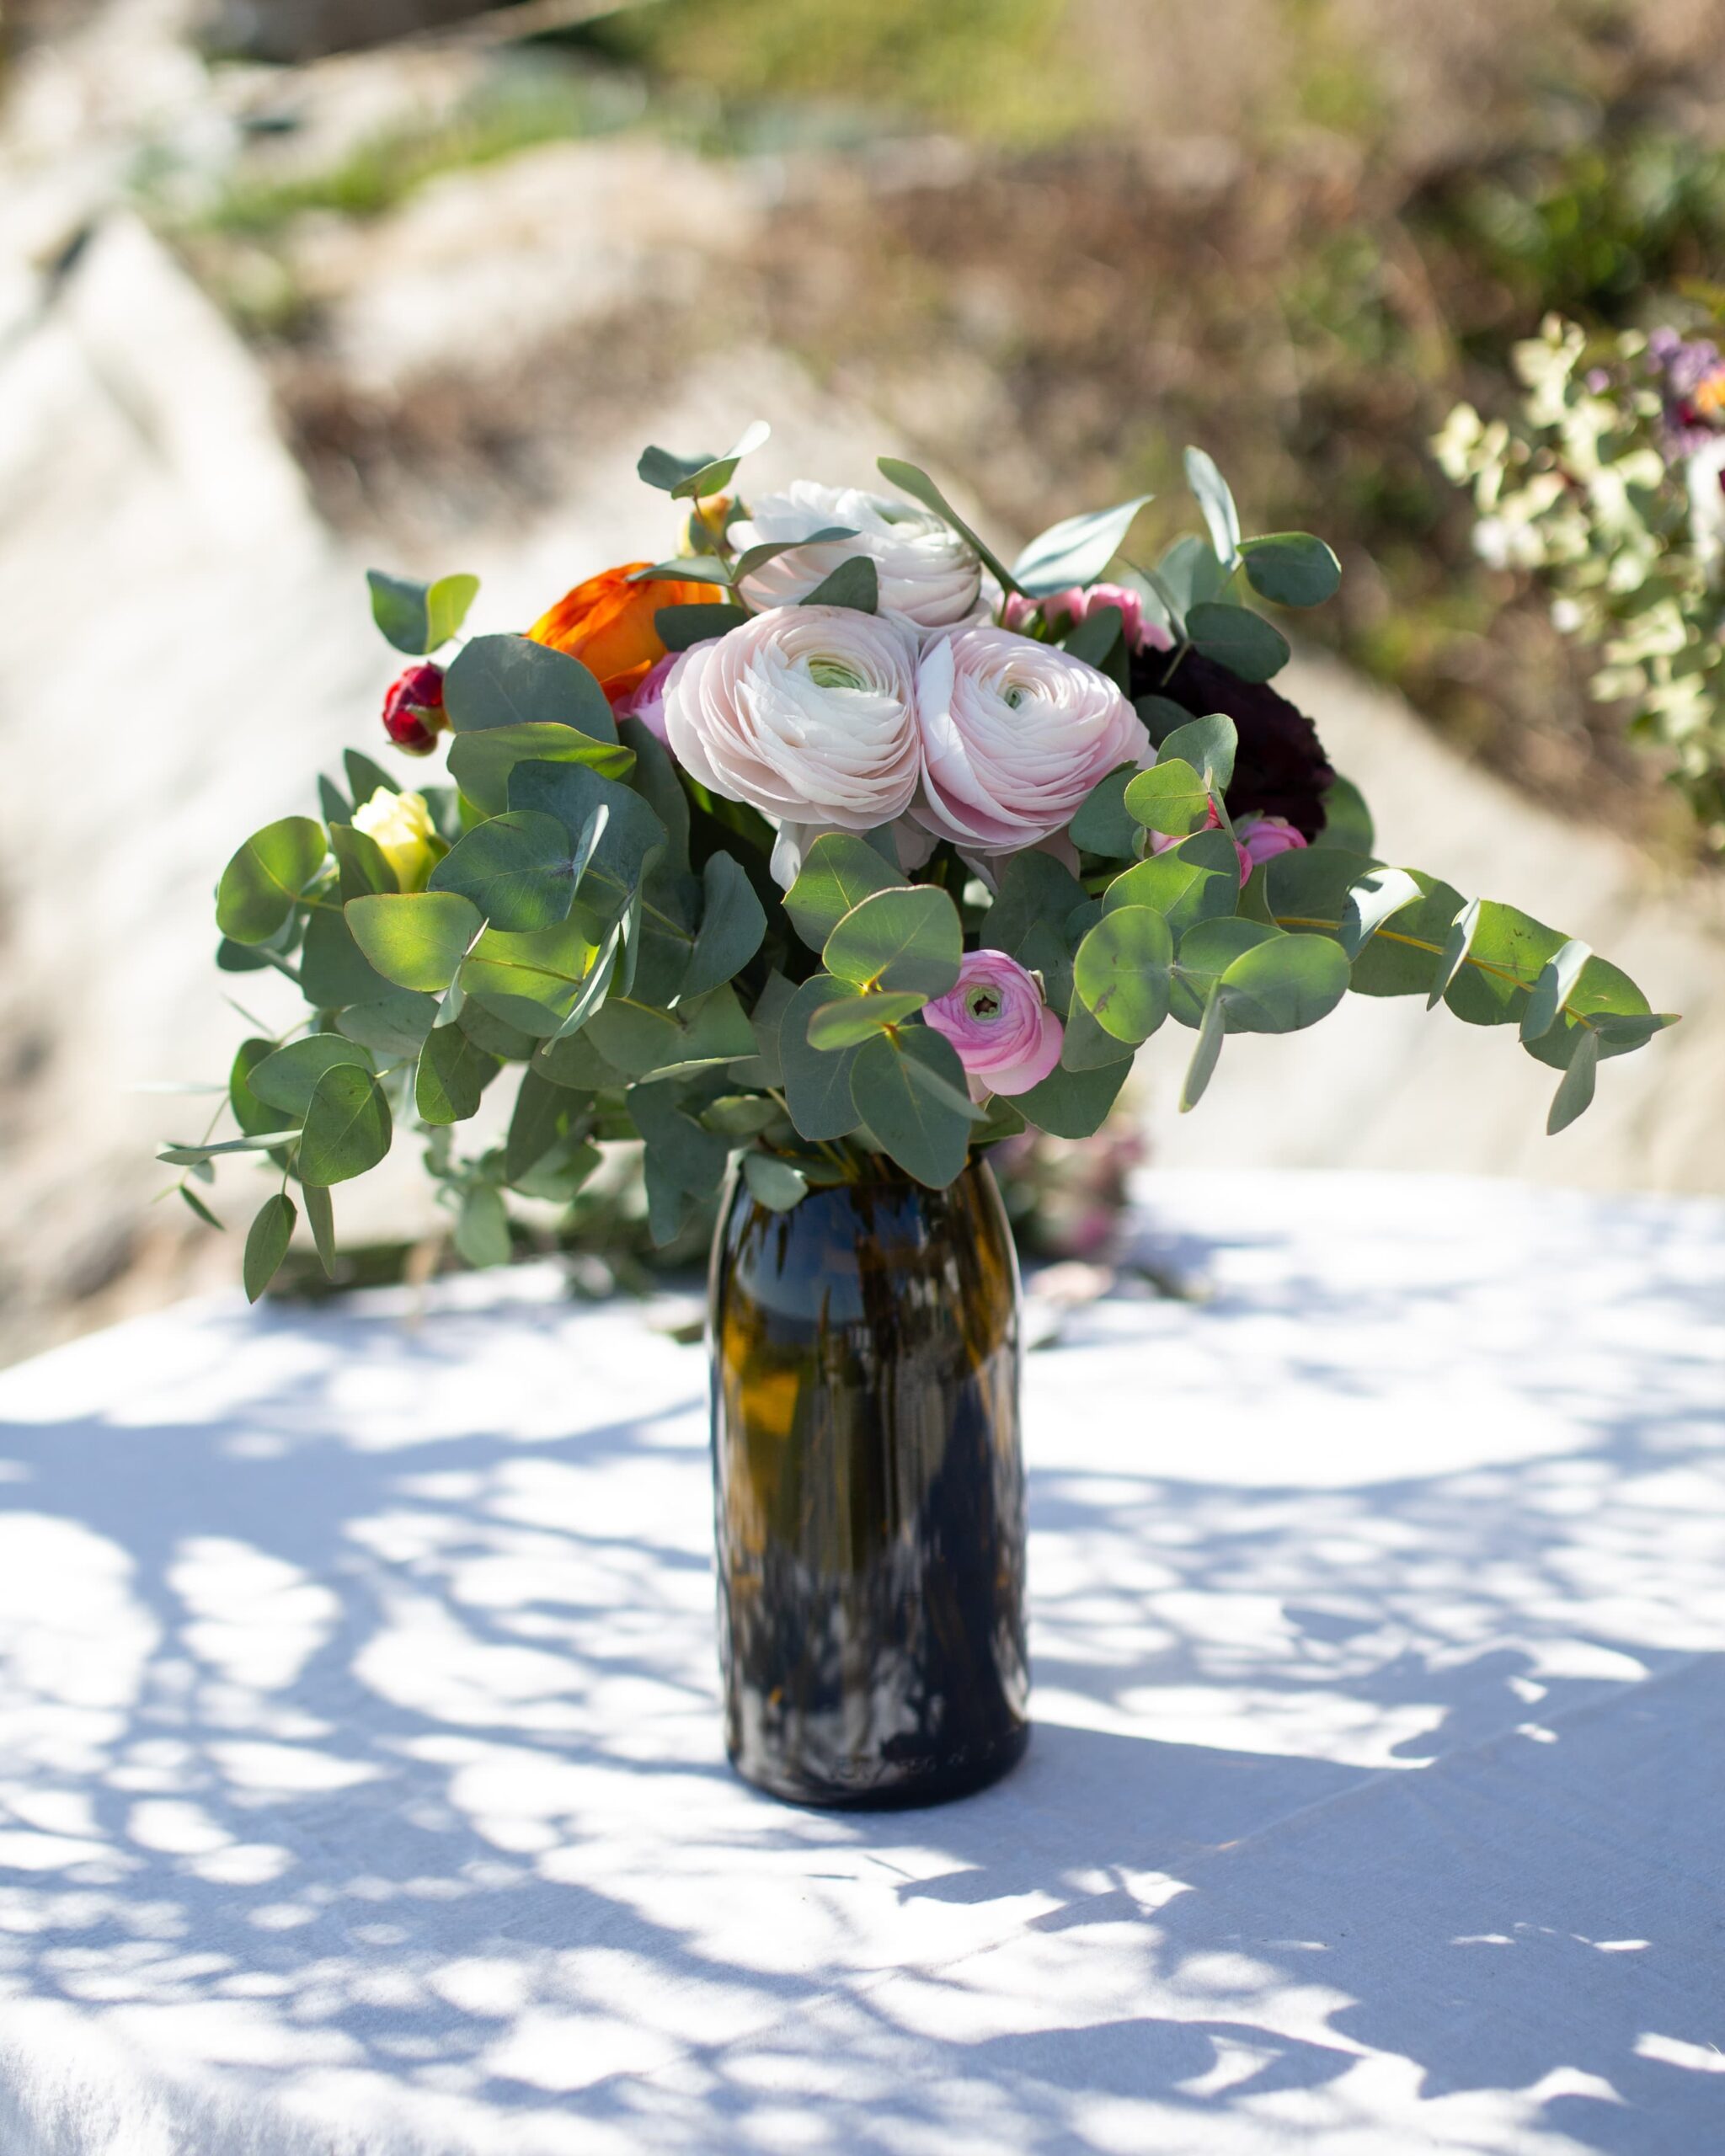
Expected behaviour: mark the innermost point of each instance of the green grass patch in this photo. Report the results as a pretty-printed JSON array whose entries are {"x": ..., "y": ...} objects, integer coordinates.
[{"x": 526, "y": 106}]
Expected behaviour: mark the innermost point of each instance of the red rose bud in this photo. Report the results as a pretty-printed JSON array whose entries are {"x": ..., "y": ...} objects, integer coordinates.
[{"x": 412, "y": 710}]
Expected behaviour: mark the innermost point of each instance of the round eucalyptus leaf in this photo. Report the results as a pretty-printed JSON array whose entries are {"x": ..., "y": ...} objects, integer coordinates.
[
  {"x": 263, "y": 883},
  {"x": 855, "y": 583},
  {"x": 1209, "y": 744},
  {"x": 394, "y": 1026},
  {"x": 1285, "y": 983},
  {"x": 1508, "y": 953},
  {"x": 905, "y": 939},
  {"x": 1171, "y": 797},
  {"x": 853, "y": 1019},
  {"x": 482, "y": 764},
  {"x": 482, "y": 1235},
  {"x": 517, "y": 869},
  {"x": 1074, "y": 1103},
  {"x": 840, "y": 871},
  {"x": 775, "y": 1184},
  {"x": 536, "y": 982},
  {"x": 288, "y": 1078},
  {"x": 1347, "y": 819},
  {"x": 733, "y": 923},
  {"x": 680, "y": 627},
  {"x": 817, "y": 1081},
  {"x": 1237, "y": 638},
  {"x": 1121, "y": 971},
  {"x": 909, "y": 1087},
  {"x": 1292, "y": 569},
  {"x": 1103, "y": 824},
  {"x": 1197, "y": 880},
  {"x": 453, "y": 1072},
  {"x": 415, "y": 939},
  {"x": 347, "y": 1127},
  {"x": 252, "y": 1115},
  {"x": 509, "y": 681},
  {"x": 1205, "y": 952}
]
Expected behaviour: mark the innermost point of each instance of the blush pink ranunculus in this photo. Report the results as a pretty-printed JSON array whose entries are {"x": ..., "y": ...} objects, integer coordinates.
[
  {"x": 805, "y": 713},
  {"x": 1007, "y": 1037},
  {"x": 1014, "y": 734},
  {"x": 1063, "y": 609},
  {"x": 1261, "y": 838}
]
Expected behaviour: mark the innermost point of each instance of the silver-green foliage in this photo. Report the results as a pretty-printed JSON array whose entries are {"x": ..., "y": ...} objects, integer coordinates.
[{"x": 607, "y": 933}]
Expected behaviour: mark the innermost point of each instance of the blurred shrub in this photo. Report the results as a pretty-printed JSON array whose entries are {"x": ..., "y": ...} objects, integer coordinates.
[{"x": 1002, "y": 69}]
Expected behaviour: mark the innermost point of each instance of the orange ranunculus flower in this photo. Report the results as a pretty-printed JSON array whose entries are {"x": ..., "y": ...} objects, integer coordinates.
[{"x": 607, "y": 624}]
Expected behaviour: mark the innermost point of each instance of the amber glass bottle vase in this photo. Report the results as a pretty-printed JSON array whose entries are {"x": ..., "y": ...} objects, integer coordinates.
[{"x": 870, "y": 1491}]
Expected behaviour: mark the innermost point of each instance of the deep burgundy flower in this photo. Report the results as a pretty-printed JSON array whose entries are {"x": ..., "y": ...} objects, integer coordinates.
[
  {"x": 412, "y": 710},
  {"x": 1280, "y": 767}
]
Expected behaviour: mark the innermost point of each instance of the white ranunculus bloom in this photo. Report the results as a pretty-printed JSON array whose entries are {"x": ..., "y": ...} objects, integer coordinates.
[
  {"x": 805, "y": 713},
  {"x": 1015, "y": 733},
  {"x": 929, "y": 576}
]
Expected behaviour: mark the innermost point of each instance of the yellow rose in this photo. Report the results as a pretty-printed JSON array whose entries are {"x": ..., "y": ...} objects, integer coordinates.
[{"x": 401, "y": 825}]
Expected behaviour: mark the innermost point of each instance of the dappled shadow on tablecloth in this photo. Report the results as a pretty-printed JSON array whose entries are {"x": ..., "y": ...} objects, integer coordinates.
[{"x": 368, "y": 1747}]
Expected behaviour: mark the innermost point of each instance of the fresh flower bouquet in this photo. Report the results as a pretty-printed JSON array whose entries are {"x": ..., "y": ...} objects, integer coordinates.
[
  {"x": 831, "y": 843},
  {"x": 1611, "y": 489}
]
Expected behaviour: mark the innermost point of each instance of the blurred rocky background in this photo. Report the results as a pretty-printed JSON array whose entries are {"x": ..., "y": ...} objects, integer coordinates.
[{"x": 288, "y": 287}]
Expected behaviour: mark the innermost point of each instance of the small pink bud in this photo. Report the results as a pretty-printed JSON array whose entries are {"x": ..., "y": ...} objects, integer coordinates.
[
  {"x": 1261, "y": 838},
  {"x": 1063, "y": 609}
]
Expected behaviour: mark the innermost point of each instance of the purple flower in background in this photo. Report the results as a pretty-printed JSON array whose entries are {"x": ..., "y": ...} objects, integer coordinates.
[{"x": 1694, "y": 390}]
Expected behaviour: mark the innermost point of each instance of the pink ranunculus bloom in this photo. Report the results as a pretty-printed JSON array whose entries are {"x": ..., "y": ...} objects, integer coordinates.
[
  {"x": 1062, "y": 609},
  {"x": 1007, "y": 1037},
  {"x": 646, "y": 700},
  {"x": 1014, "y": 734},
  {"x": 808, "y": 713},
  {"x": 1261, "y": 838}
]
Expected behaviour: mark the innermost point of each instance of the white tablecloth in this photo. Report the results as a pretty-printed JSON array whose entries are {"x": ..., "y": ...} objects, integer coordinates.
[{"x": 361, "y": 1779}]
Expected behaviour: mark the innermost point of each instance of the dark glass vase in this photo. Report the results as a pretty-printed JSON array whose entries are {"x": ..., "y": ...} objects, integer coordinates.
[{"x": 870, "y": 1491}]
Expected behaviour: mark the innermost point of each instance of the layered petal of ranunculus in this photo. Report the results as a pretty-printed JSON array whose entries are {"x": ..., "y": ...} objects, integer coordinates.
[
  {"x": 608, "y": 624},
  {"x": 1006, "y": 1036},
  {"x": 929, "y": 576},
  {"x": 805, "y": 713},
  {"x": 1015, "y": 733}
]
